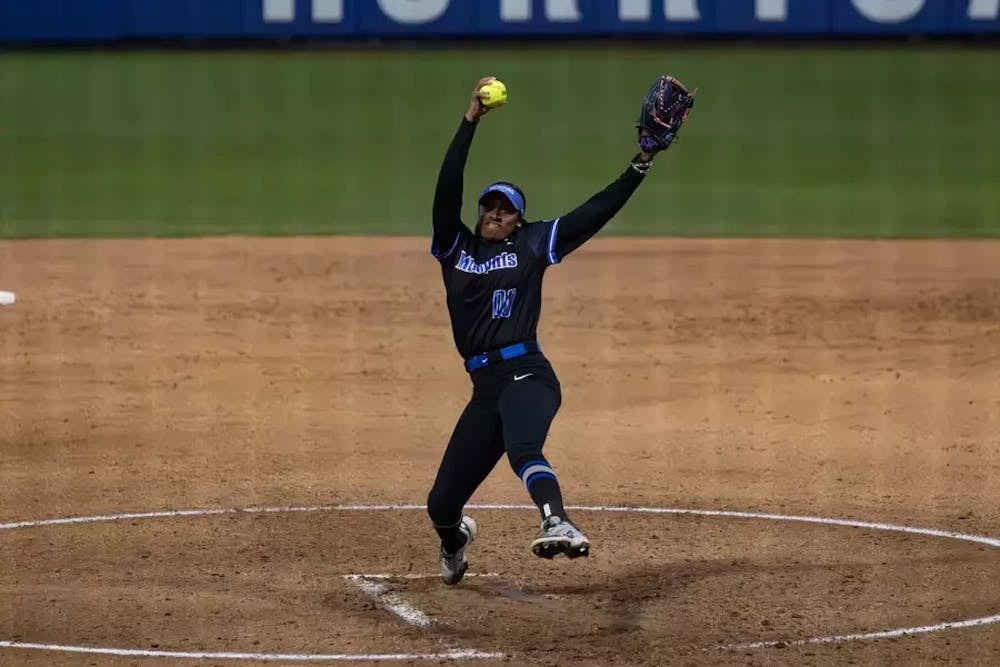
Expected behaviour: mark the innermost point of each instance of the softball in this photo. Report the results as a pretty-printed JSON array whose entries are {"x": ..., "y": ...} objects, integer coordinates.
[{"x": 495, "y": 93}]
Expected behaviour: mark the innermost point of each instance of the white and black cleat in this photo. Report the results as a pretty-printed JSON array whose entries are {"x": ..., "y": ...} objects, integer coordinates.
[
  {"x": 560, "y": 537},
  {"x": 453, "y": 566}
]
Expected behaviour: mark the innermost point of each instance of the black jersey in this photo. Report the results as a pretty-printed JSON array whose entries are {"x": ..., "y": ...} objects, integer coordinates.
[{"x": 494, "y": 289}]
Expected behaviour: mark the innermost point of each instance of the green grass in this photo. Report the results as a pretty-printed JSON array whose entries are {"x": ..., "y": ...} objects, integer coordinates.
[{"x": 833, "y": 142}]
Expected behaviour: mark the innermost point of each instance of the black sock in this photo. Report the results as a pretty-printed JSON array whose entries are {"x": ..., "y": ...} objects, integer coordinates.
[
  {"x": 543, "y": 487},
  {"x": 547, "y": 495},
  {"x": 452, "y": 539}
]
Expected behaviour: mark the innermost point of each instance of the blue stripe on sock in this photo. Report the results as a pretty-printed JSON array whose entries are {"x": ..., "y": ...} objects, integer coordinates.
[
  {"x": 533, "y": 462},
  {"x": 538, "y": 475}
]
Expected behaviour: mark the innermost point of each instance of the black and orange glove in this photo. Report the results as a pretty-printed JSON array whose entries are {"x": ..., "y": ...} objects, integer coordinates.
[{"x": 664, "y": 109}]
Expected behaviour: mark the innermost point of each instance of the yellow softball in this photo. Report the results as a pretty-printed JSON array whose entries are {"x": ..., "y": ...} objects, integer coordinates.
[{"x": 495, "y": 93}]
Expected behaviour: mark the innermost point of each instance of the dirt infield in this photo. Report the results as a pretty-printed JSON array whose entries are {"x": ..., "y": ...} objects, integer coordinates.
[{"x": 854, "y": 380}]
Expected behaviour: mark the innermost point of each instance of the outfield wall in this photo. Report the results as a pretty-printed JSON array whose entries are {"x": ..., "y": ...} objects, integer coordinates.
[{"x": 48, "y": 21}]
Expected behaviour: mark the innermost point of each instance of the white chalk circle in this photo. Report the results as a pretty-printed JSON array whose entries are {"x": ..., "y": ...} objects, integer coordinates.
[
  {"x": 7, "y": 298},
  {"x": 474, "y": 654}
]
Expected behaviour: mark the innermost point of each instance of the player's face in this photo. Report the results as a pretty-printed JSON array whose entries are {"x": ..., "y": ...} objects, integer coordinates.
[{"x": 497, "y": 217}]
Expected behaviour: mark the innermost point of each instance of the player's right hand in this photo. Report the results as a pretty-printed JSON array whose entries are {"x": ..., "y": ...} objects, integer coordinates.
[{"x": 476, "y": 107}]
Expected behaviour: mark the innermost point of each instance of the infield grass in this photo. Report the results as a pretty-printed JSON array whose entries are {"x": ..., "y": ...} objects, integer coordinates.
[{"x": 889, "y": 141}]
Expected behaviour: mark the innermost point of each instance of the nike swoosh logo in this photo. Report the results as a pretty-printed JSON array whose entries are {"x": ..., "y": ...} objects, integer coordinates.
[{"x": 521, "y": 377}]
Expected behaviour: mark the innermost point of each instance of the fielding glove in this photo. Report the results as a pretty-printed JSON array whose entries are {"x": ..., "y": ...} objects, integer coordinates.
[{"x": 664, "y": 110}]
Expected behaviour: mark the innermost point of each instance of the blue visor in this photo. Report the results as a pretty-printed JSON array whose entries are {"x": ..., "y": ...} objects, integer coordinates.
[{"x": 510, "y": 193}]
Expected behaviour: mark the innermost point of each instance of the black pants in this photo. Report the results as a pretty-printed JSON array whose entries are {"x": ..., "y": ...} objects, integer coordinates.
[{"x": 512, "y": 406}]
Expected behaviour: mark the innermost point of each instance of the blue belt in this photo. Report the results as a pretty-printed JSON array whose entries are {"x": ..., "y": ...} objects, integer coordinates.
[{"x": 503, "y": 354}]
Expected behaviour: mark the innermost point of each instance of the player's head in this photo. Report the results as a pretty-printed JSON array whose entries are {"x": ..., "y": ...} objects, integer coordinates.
[{"x": 501, "y": 210}]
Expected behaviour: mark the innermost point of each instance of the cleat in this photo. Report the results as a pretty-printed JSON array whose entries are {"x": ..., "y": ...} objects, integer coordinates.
[
  {"x": 559, "y": 536},
  {"x": 453, "y": 566}
]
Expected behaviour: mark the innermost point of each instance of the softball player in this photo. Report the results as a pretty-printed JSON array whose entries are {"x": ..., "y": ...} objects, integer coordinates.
[{"x": 493, "y": 279}]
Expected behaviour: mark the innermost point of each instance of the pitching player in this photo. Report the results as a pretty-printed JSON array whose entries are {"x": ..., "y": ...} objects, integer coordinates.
[{"x": 493, "y": 279}]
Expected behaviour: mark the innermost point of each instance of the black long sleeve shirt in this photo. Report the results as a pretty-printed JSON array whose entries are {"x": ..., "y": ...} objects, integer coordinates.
[{"x": 494, "y": 289}]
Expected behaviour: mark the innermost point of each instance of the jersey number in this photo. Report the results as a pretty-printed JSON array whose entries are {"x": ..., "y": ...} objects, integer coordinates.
[{"x": 503, "y": 301}]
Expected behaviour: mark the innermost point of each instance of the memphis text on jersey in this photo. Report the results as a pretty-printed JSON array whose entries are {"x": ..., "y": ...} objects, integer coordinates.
[{"x": 468, "y": 263}]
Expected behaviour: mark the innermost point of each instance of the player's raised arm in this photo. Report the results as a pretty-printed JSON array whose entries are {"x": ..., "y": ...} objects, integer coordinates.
[
  {"x": 447, "y": 210},
  {"x": 574, "y": 228},
  {"x": 664, "y": 109}
]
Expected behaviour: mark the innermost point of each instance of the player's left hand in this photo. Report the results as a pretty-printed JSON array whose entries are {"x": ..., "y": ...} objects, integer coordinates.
[{"x": 664, "y": 109}]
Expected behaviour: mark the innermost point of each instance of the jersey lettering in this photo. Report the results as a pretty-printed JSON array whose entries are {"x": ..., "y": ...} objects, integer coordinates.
[
  {"x": 503, "y": 301},
  {"x": 468, "y": 264}
]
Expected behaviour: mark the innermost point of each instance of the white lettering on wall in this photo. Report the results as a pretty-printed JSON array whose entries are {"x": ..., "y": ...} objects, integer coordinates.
[
  {"x": 634, "y": 10},
  {"x": 563, "y": 11},
  {"x": 328, "y": 11},
  {"x": 673, "y": 10},
  {"x": 888, "y": 11},
  {"x": 681, "y": 10},
  {"x": 772, "y": 10},
  {"x": 515, "y": 10},
  {"x": 279, "y": 11},
  {"x": 413, "y": 11},
  {"x": 568, "y": 11},
  {"x": 984, "y": 10}
]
